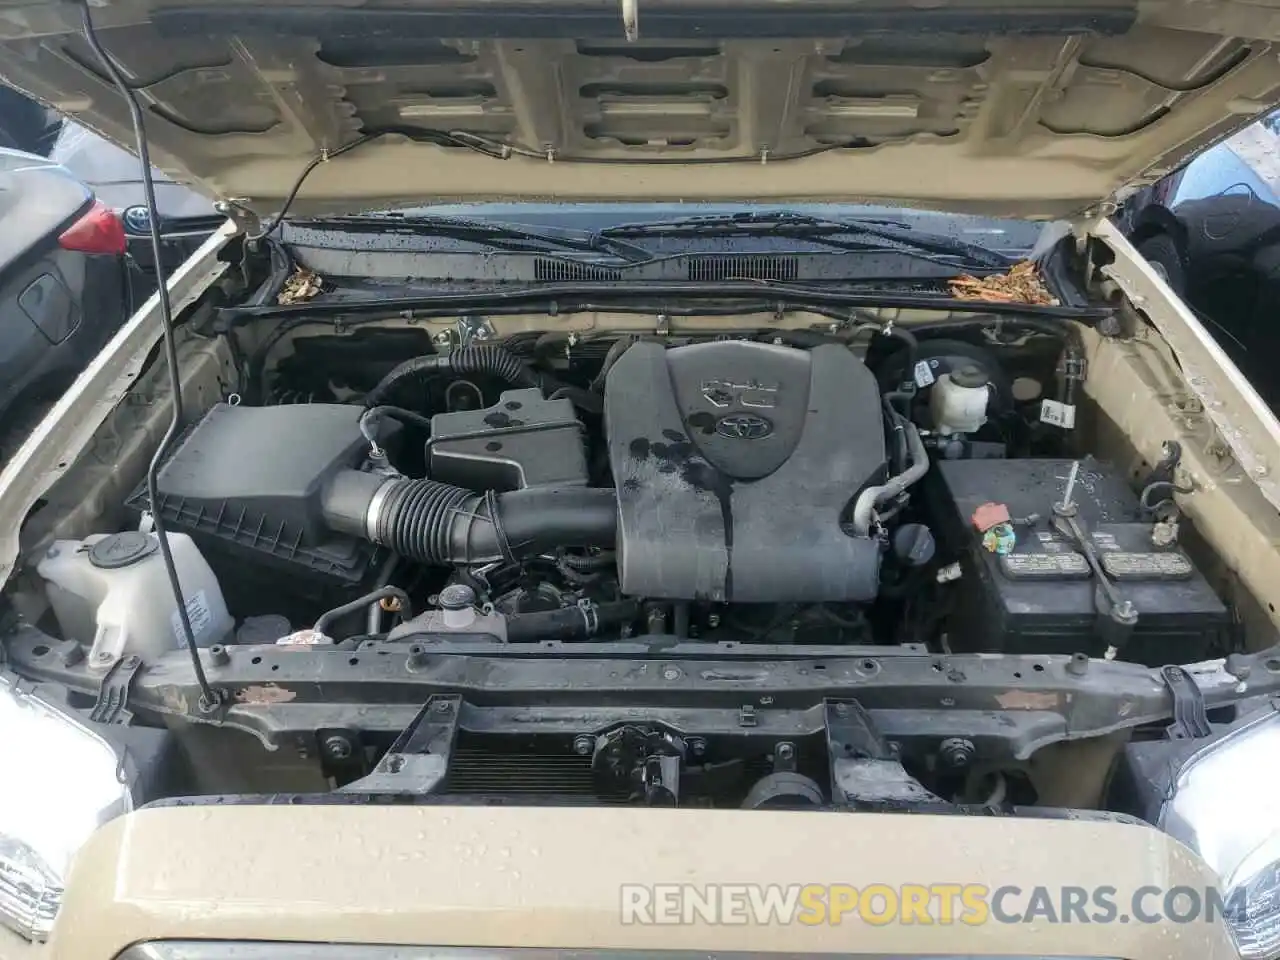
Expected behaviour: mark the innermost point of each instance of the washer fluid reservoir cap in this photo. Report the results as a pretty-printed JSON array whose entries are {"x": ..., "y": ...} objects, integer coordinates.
[
  {"x": 969, "y": 376},
  {"x": 122, "y": 549}
]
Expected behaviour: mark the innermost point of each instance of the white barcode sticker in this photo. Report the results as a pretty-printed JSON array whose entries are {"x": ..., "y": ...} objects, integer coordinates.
[
  {"x": 923, "y": 374},
  {"x": 198, "y": 613},
  {"x": 1058, "y": 414}
]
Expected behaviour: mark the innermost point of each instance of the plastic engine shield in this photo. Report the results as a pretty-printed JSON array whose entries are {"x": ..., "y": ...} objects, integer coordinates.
[{"x": 734, "y": 462}]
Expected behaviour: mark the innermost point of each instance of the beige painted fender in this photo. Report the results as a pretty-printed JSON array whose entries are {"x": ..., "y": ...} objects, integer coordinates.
[{"x": 59, "y": 439}]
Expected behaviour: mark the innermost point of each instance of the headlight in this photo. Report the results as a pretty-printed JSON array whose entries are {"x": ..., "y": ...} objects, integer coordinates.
[
  {"x": 1226, "y": 807},
  {"x": 60, "y": 782}
]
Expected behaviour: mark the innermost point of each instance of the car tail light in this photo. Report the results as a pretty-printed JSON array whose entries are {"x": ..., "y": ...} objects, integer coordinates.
[{"x": 98, "y": 231}]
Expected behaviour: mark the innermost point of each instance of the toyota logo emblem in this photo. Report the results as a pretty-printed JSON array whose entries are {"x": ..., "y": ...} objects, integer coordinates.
[{"x": 744, "y": 426}]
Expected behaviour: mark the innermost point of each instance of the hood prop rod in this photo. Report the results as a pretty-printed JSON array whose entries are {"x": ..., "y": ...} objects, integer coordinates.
[{"x": 209, "y": 698}]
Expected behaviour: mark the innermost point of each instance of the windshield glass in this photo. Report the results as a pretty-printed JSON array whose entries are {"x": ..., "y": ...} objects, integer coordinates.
[{"x": 1013, "y": 238}]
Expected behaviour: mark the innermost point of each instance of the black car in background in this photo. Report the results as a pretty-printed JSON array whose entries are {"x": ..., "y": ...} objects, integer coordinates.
[
  {"x": 186, "y": 217},
  {"x": 1212, "y": 230},
  {"x": 63, "y": 286},
  {"x": 25, "y": 124},
  {"x": 113, "y": 173}
]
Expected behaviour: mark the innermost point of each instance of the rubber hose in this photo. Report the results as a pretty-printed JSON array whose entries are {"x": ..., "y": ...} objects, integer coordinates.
[
  {"x": 872, "y": 497},
  {"x": 909, "y": 340},
  {"x": 438, "y": 523},
  {"x": 570, "y": 623},
  {"x": 487, "y": 358},
  {"x": 327, "y": 619},
  {"x": 588, "y": 564}
]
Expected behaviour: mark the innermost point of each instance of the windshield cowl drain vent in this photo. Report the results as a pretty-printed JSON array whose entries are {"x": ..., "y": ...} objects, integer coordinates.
[
  {"x": 546, "y": 269},
  {"x": 744, "y": 268}
]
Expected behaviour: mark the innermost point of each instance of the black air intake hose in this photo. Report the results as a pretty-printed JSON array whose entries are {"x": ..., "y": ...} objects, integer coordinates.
[
  {"x": 489, "y": 359},
  {"x": 439, "y": 523}
]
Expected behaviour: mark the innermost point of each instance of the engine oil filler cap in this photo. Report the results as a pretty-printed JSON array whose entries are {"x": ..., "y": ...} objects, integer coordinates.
[{"x": 122, "y": 550}]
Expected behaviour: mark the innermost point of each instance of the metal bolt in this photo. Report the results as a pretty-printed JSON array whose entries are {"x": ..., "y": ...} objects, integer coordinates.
[
  {"x": 670, "y": 673},
  {"x": 337, "y": 747},
  {"x": 395, "y": 763},
  {"x": 785, "y": 750},
  {"x": 102, "y": 656},
  {"x": 697, "y": 746},
  {"x": 713, "y": 620},
  {"x": 582, "y": 745},
  {"x": 1109, "y": 327},
  {"x": 219, "y": 656},
  {"x": 842, "y": 709},
  {"x": 442, "y": 338},
  {"x": 1238, "y": 666},
  {"x": 956, "y": 752},
  {"x": 1067, "y": 506},
  {"x": 442, "y": 706},
  {"x": 766, "y": 701}
]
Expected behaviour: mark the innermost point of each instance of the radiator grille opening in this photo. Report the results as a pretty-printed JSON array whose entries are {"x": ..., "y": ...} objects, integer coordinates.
[
  {"x": 533, "y": 770},
  {"x": 744, "y": 267}
]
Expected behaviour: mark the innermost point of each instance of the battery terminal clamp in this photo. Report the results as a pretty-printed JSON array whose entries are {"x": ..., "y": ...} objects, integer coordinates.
[{"x": 1117, "y": 615}]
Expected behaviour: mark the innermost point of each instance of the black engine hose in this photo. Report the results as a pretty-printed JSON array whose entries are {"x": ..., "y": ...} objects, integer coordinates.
[
  {"x": 485, "y": 358},
  {"x": 589, "y": 564},
  {"x": 438, "y": 523},
  {"x": 360, "y": 604},
  {"x": 570, "y": 623}
]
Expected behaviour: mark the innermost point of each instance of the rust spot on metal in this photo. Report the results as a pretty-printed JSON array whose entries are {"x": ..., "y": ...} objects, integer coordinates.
[
  {"x": 1027, "y": 700},
  {"x": 266, "y": 693}
]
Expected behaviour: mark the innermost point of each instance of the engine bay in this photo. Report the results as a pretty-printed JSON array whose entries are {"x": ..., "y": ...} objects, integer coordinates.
[
  {"x": 646, "y": 566},
  {"x": 724, "y": 488}
]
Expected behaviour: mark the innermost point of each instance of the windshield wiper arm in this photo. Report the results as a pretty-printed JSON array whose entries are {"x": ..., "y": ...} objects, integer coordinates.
[
  {"x": 825, "y": 230},
  {"x": 511, "y": 236}
]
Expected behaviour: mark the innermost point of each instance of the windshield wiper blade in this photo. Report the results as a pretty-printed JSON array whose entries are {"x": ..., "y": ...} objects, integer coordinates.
[
  {"x": 497, "y": 233},
  {"x": 826, "y": 230}
]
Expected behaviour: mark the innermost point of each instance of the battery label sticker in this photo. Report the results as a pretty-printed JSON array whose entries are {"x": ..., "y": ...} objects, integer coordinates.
[
  {"x": 1052, "y": 543},
  {"x": 1045, "y": 566},
  {"x": 1105, "y": 541},
  {"x": 1146, "y": 566},
  {"x": 1058, "y": 414},
  {"x": 923, "y": 374}
]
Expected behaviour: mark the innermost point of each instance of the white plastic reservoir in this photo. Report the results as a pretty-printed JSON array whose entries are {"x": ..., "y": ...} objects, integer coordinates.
[{"x": 111, "y": 591}]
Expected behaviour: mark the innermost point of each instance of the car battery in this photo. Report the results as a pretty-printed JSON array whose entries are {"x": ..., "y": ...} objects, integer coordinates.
[{"x": 1036, "y": 592}]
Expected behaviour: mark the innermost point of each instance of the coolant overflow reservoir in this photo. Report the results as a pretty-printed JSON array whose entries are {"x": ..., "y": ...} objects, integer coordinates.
[
  {"x": 958, "y": 401},
  {"x": 111, "y": 591}
]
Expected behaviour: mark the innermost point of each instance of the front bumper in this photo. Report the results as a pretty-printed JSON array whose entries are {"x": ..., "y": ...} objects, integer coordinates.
[{"x": 554, "y": 877}]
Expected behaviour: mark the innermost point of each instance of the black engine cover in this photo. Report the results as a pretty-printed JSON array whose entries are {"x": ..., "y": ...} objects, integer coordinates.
[{"x": 734, "y": 462}]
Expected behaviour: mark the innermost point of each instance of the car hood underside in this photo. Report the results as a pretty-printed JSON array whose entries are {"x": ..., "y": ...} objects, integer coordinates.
[{"x": 1033, "y": 109}]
